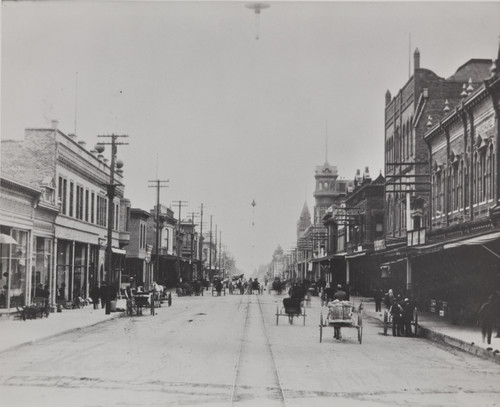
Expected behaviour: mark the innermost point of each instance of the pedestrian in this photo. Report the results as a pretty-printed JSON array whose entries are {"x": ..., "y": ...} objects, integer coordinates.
[
  {"x": 103, "y": 294},
  {"x": 340, "y": 294},
  {"x": 378, "y": 300},
  {"x": 94, "y": 294},
  {"x": 218, "y": 287},
  {"x": 396, "y": 312},
  {"x": 407, "y": 316},
  {"x": 497, "y": 301},
  {"x": 487, "y": 318},
  {"x": 389, "y": 298}
]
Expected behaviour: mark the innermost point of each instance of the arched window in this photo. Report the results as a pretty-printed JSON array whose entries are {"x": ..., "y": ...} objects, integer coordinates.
[
  {"x": 450, "y": 191},
  {"x": 482, "y": 175},
  {"x": 459, "y": 184},
  {"x": 455, "y": 194},
  {"x": 412, "y": 139},
  {"x": 397, "y": 145},
  {"x": 492, "y": 172},
  {"x": 474, "y": 179},
  {"x": 403, "y": 146}
]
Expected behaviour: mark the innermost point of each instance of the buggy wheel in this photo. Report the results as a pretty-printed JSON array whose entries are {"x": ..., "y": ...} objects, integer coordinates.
[
  {"x": 386, "y": 322},
  {"x": 360, "y": 334},
  {"x": 321, "y": 328},
  {"x": 277, "y": 314}
]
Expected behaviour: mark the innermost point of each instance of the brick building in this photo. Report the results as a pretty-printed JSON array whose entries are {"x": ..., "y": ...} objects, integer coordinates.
[
  {"x": 406, "y": 153},
  {"x": 457, "y": 268},
  {"x": 73, "y": 180}
]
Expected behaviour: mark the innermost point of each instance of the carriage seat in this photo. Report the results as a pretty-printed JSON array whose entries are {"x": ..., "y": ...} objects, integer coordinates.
[{"x": 292, "y": 305}]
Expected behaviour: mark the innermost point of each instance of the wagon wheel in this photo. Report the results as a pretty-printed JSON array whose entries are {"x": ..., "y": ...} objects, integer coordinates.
[
  {"x": 386, "y": 322},
  {"x": 152, "y": 306},
  {"x": 304, "y": 316},
  {"x": 360, "y": 334},
  {"x": 277, "y": 314},
  {"x": 321, "y": 328},
  {"x": 290, "y": 319}
]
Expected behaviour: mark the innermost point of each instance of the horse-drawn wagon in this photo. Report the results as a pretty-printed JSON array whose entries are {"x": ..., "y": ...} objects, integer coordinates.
[{"x": 342, "y": 314}]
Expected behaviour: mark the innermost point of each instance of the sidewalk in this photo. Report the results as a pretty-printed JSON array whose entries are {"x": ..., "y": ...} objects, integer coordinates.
[
  {"x": 439, "y": 329},
  {"x": 17, "y": 332}
]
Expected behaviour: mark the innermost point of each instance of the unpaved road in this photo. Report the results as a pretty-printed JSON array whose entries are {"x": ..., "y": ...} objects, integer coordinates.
[{"x": 223, "y": 351}]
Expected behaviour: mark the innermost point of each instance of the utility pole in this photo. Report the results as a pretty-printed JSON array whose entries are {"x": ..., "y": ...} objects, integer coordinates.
[
  {"x": 157, "y": 184},
  {"x": 181, "y": 204},
  {"x": 220, "y": 252},
  {"x": 192, "y": 241},
  {"x": 215, "y": 243},
  {"x": 111, "y": 190},
  {"x": 201, "y": 241},
  {"x": 210, "y": 247}
]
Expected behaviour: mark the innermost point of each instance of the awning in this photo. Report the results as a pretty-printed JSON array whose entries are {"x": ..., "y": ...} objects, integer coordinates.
[
  {"x": 477, "y": 240},
  {"x": 355, "y": 254},
  {"x": 388, "y": 263},
  {"x": 118, "y": 251}
]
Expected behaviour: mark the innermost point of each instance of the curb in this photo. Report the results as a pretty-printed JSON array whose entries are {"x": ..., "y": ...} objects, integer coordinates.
[
  {"x": 459, "y": 344},
  {"x": 455, "y": 343},
  {"x": 53, "y": 335}
]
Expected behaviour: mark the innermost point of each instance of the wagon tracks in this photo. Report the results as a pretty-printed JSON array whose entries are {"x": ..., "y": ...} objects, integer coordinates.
[{"x": 256, "y": 375}]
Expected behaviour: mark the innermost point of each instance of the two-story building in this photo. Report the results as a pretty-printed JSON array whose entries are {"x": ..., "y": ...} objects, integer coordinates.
[{"x": 72, "y": 182}]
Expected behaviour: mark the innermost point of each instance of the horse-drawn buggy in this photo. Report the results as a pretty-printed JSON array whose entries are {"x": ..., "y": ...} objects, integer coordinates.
[
  {"x": 138, "y": 301},
  {"x": 218, "y": 286},
  {"x": 292, "y": 308},
  {"x": 342, "y": 314}
]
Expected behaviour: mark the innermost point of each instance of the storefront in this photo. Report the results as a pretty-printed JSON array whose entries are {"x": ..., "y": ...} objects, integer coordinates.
[
  {"x": 14, "y": 268},
  {"x": 41, "y": 265}
]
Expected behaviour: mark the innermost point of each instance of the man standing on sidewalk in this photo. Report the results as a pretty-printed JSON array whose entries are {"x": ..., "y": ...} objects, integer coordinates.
[{"x": 487, "y": 318}]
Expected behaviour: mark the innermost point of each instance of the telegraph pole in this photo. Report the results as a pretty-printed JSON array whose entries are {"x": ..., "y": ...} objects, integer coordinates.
[
  {"x": 216, "y": 249},
  {"x": 111, "y": 190},
  {"x": 220, "y": 252},
  {"x": 200, "y": 254},
  {"x": 181, "y": 204},
  {"x": 157, "y": 184},
  {"x": 210, "y": 247},
  {"x": 192, "y": 239}
]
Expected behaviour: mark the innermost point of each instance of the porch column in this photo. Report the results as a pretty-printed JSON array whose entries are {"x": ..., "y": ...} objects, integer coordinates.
[
  {"x": 347, "y": 272},
  {"x": 87, "y": 271},
  {"x": 53, "y": 292},
  {"x": 30, "y": 273},
  {"x": 408, "y": 274},
  {"x": 72, "y": 272}
]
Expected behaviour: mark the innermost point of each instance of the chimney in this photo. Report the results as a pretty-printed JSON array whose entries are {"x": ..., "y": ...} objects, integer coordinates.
[
  {"x": 388, "y": 97},
  {"x": 55, "y": 123},
  {"x": 416, "y": 59}
]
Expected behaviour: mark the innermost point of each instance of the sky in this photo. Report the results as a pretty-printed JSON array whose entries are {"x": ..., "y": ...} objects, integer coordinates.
[{"x": 225, "y": 117}]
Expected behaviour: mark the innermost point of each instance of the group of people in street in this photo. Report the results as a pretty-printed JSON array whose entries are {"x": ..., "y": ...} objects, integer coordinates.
[{"x": 402, "y": 312}]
